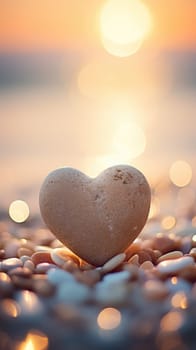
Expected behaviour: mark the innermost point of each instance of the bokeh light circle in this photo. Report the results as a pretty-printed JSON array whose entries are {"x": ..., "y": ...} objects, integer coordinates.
[
  {"x": 19, "y": 211},
  {"x": 124, "y": 24},
  {"x": 180, "y": 173}
]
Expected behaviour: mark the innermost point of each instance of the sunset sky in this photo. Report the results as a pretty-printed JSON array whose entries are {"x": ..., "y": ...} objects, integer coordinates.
[
  {"x": 58, "y": 24},
  {"x": 78, "y": 90}
]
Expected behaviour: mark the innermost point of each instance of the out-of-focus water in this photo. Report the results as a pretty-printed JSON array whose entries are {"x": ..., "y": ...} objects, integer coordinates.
[{"x": 47, "y": 122}]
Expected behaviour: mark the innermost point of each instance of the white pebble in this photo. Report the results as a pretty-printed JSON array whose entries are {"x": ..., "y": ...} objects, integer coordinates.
[
  {"x": 171, "y": 255},
  {"x": 117, "y": 277},
  {"x": 73, "y": 292},
  {"x": 113, "y": 262},
  {"x": 62, "y": 255},
  {"x": 106, "y": 293},
  {"x": 11, "y": 263},
  {"x": 57, "y": 276},
  {"x": 175, "y": 265}
]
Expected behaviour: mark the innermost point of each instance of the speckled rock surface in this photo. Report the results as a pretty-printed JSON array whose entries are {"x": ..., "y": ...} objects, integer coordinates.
[{"x": 96, "y": 218}]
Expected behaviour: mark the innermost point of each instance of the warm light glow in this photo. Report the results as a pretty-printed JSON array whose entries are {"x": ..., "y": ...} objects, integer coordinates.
[
  {"x": 124, "y": 24},
  {"x": 129, "y": 140},
  {"x": 179, "y": 300},
  {"x": 194, "y": 224},
  {"x": 19, "y": 211},
  {"x": 10, "y": 307},
  {"x": 168, "y": 222},
  {"x": 121, "y": 50},
  {"x": 109, "y": 318},
  {"x": 154, "y": 208},
  {"x": 124, "y": 141},
  {"x": 180, "y": 173},
  {"x": 34, "y": 341},
  {"x": 174, "y": 280},
  {"x": 172, "y": 321}
]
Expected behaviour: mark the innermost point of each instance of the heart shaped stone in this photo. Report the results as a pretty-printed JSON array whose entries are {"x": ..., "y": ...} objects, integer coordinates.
[{"x": 95, "y": 218}]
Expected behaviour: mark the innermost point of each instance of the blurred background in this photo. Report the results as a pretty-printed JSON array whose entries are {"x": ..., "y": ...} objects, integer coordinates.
[{"x": 89, "y": 84}]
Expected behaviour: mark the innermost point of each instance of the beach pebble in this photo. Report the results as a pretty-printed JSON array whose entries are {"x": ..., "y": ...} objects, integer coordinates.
[
  {"x": 72, "y": 292},
  {"x": 44, "y": 267},
  {"x": 83, "y": 212},
  {"x": 41, "y": 257},
  {"x": 29, "y": 265},
  {"x": 11, "y": 248},
  {"x": 155, "y": 290},
  {"x": 189, "y": 274},
  {"x": 164, "y": 243},
  {"x": 117, "y": 277},
  {"x": 175, "y": 254},
  {"x": 61, "y": 255},
  {"x": 175, "y": 265},
  {"x": 147, "y": 265},
  {"x": 11, "y": 263},
  {"x": 108, "y": 293},
  {"x": 193, "y": 253},
  {"x": 89, "y": 277},
  {"x": 58, "y": 276},
  {"x": 134, "y": 260},
  {"x": 24, "y": 251},
  {"x": 20, "y": 271},
  {"x": 113, "y": 263},
  {"x": 43, "y": 287}
]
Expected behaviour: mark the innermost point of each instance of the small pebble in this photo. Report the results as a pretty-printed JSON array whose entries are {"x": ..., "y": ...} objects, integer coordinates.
[
  {"x": 29, "y": 265},
  {"x": 175, "y": 254},
  {"x": 10, "y": 263},
  {"x": 43, "y": 287},
  {"x": 193, "y": 253},
  {"x": 147, "y": 265},
  {"x": 44, "y": 267},
  {"x": 107, "y": 293},
  {"x": 164, "y": 244},
  {"x": 41, "y": 257},
  {"x": 134, "y": 260},
  {"x": 73, "y": 292},
  {"x": 175, "y": 265},
  {"x": 117, "y": 277},
  {"x": 11, "y": 248},
  {"x": 20, "y": 271},
  {"x": 111, "y": 264},
  {"x": 89, "y": 277},
  {"x": 61, "y": 255},
  {"x": 24, "y": 251},
  {"x": 57, "y": 276},
  {"x": 155, "y": 290}
]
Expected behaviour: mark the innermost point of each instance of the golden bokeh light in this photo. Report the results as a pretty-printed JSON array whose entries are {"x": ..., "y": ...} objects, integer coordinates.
[
  {"x": 174, "y": 280},
  {"x": 124, "y": 24},
  {"x": 109, "y": 318},
  {"x": 19, "y": 211},
  {"x": 35, "y": 340},
  {"x": 168, "y": 222},
  {"x": 11, "y": 308},
  {"x": 180, "y": 173},
  {"x": 179, "y": 300},
  {"x": 172, "y": 321},
  {"x": 194, "y": 236}
]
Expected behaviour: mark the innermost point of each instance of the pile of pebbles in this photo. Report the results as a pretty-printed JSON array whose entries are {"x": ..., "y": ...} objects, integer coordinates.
[{"x": 47, "y": 289}]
